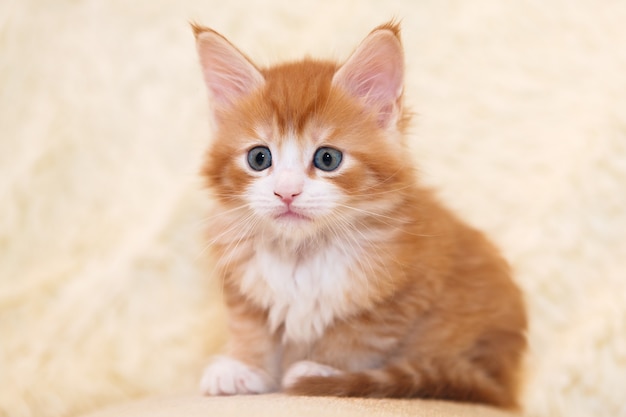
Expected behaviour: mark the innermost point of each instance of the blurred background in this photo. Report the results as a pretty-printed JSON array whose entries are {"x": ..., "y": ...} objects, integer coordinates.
[{"x": 106, "y": 292}]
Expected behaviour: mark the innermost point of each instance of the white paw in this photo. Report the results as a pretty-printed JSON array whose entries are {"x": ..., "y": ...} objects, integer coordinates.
[
  {"x": 306, "y": 368},
  {"x": 228, "y": 376}
]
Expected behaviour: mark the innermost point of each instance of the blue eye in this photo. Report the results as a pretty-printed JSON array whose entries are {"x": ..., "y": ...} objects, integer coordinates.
[
  {"x": 327, "y": 159},
  {"x": 259, "y": 158}
]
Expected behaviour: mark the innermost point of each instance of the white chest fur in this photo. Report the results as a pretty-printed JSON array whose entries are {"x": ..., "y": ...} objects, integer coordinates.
[{"x": 305, "y": 292}]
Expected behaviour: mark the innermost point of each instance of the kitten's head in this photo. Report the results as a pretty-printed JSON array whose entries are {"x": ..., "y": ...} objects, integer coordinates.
[{"x": 309, "y": 147}]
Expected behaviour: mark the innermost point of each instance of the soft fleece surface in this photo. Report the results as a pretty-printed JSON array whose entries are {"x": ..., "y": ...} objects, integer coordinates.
[
  {"x": 273, "y": 405},
  {"x": 105, "y": 293}
]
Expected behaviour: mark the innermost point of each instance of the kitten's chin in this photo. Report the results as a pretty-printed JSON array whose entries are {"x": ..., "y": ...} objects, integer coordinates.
[{"x": 294, "y": 226}]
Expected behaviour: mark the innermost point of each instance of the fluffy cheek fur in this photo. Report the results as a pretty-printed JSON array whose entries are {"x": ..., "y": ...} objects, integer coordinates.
[
  {"x": 332, "y": 202},
  {"x": 224, "y": 175}
]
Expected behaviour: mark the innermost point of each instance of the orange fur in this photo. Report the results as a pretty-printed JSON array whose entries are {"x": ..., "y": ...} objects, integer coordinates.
[{"x": 386, "y": 288}]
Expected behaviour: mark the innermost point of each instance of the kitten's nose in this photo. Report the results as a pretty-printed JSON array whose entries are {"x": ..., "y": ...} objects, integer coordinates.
[
  {"x": 288, "y": 186},
  {"x": 287, "y": 199}
]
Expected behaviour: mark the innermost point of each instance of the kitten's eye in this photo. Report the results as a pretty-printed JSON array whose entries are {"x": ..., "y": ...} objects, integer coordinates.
[
  {"x": 327, "y": 159},
  {"x": 259, "y": 158}
]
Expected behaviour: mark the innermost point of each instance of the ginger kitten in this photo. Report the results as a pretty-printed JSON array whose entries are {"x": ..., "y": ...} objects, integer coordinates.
[{"x": 342, "y": 275}]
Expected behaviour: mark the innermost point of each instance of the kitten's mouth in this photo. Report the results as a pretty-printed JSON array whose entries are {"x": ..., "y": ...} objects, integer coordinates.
[{"x": 291, "y": 215}]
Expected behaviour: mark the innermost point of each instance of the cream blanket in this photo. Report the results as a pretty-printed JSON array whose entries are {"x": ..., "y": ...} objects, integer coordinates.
[{"x": 105, "y": 291}]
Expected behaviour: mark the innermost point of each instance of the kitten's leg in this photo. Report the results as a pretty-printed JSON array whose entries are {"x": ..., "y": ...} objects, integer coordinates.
[
  {"x": 250, "y": 365},
  {"x": 305, "y": 369}
]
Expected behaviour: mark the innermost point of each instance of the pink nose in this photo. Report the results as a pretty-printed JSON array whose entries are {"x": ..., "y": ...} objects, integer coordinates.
[
  {"x": 287, "y": 198},
  {"x": 288, "y": 186}
]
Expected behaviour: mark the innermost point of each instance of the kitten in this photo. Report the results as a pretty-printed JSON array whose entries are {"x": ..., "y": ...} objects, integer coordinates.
[{"x": 342, "y": 275}]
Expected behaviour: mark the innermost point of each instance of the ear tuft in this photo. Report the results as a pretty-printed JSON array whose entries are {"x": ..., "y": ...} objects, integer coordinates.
[
  {"x": 197, "y": 29},
  {"x": 393, "y": 26},
  {"x": 228, "y": 74},
  {"x": 374, "y": 73}
]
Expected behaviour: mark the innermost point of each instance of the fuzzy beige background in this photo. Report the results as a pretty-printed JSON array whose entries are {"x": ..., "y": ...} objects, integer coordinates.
[{"x": 105, "y": 290}]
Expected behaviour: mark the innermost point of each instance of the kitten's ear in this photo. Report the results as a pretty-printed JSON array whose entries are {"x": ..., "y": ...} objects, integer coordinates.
[
  {"x": 228, "y": 74},
  {"x": 374, "y": 73}
]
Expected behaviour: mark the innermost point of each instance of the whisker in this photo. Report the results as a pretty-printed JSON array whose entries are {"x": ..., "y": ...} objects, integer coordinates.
[
  {"x": 384, "y": 192},
  {"x": 229, "y": 230},
  {"x": 352, "y": 240},
  {"x": 248, "y": 224},
  {"x": 206, "y": 220},
  {"x": 395, "y": 221},
  {"x": 369, "y": 213}
]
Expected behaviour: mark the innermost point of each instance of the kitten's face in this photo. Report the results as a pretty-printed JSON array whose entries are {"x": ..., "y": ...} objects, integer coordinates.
[
  {"x": 292, "y": 180},
  {"x": 306, "y": 148},
  {"x": 298, "y": 181}
]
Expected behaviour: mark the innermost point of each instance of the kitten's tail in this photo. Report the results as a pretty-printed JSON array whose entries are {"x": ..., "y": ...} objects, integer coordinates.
[{"x": 459, "y": 381}]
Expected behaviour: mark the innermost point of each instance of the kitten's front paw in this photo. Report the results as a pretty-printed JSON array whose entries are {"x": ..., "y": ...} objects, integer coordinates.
[
  {"x": 306, "y": 368},
  {"x": 228, "y": 376}
]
